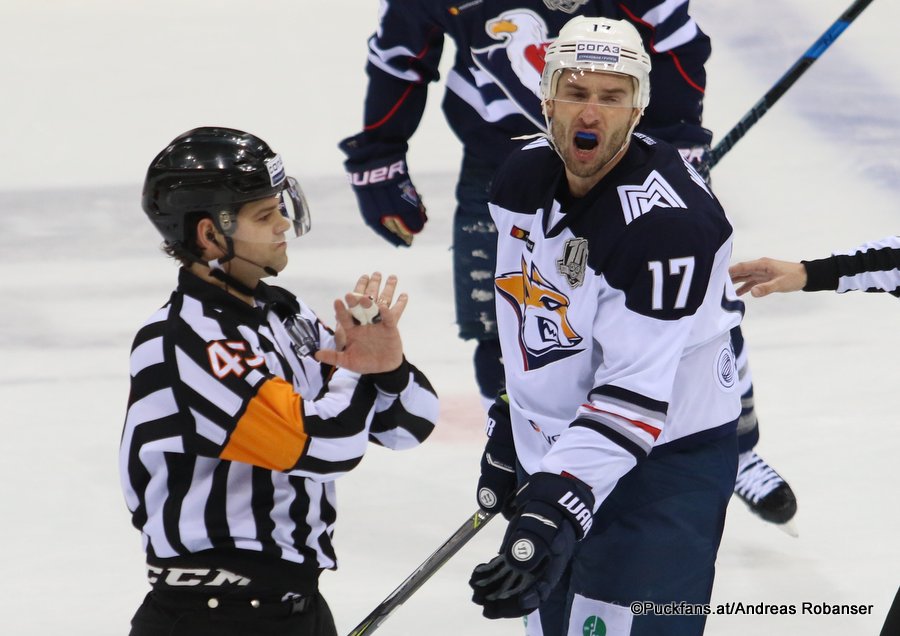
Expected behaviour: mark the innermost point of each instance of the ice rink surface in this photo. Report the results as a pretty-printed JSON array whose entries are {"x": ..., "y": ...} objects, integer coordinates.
[{"x": 93, "y": 89}]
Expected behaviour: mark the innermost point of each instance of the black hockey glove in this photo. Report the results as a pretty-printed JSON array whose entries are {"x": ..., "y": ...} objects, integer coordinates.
[
  {"x": 698, "y": 157},
  {"x": 554, "y": 512},
  {"x": 497, "y": 482},
  {"x": 384, "y": 192}
]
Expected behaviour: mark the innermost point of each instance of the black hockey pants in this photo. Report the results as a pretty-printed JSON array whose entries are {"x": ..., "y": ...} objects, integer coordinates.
[{"x": 173, "y": 614}]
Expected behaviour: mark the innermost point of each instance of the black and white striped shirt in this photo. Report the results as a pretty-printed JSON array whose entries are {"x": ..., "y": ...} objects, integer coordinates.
[
  {"x": 872, "y": 267},
  {"x": 235, "y": 434}
]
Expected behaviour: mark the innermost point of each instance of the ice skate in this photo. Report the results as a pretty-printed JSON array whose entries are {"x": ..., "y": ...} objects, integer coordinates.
[{"x": 765, "y": 492}]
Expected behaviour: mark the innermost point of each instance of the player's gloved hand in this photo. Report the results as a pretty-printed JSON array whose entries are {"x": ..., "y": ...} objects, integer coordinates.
[
  {"x": 384, "y": 192},
  {"x": 698, "y": 156},
  {"x": 497, "y": 482},
  {"x": 554, "y": 512}
]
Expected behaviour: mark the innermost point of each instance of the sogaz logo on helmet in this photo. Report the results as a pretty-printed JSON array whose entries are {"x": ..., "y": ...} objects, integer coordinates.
[
  {"x": 605, "y": 52},
  {"x": 276, "y": 170}
]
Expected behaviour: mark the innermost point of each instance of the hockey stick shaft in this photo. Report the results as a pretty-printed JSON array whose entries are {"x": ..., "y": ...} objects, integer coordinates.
[
  {"x": 422, "y": 573},
  {"x": 787, "y": 80}
]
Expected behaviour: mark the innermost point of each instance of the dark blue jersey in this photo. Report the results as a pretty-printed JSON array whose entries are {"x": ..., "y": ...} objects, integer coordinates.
[{"x": 492, "y": 91}]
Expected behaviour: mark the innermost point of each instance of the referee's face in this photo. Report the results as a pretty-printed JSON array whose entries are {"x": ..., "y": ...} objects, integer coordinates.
[{"x": 260, "y": 238}]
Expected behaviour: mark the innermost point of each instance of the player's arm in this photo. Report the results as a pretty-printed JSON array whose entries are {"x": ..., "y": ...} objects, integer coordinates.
[
  {"x": 679, "y": 50},
  {"x": 765, "y": 276},
  {"x": 403, "y": 58},
  {"x": 406, "y": 408},
  {"x": 873, "y": 266},
  {"x": 242, "y": 412},
  {"x": 238, "y": 411},
  {"x": 662, "y": 273},
  {"x": 367, "y": 340}
]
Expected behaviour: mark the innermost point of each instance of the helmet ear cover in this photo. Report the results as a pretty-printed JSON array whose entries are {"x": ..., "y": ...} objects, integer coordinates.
[
  {"x": 226, "y": 221},
  {"x": 188, "y": 249}
]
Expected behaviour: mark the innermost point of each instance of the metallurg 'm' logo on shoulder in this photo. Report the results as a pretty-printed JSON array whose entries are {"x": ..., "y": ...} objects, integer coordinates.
[
  {"x": 655, "y": 192},
  {"x": 545, "y": 334}
]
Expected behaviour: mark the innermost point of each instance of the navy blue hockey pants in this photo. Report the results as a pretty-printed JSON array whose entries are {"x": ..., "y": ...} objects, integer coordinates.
[
  {"x": 474, "y": 252},
  {"x": 653, "y": 543}
]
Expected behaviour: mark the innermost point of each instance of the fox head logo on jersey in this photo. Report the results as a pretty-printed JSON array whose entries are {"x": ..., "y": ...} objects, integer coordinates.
[{"x": 545, "y": 334}]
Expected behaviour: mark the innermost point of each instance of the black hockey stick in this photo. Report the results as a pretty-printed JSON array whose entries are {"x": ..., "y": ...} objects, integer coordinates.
[
  {"x": 422, "y": 573},
  {"x": 787, "y": 80}
]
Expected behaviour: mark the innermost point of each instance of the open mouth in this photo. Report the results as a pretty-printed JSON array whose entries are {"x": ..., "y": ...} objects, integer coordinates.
[{"x": 585, "y": 140}]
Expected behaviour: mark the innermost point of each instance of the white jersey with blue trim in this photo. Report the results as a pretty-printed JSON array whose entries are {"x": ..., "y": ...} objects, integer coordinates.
[{"x": 614, "y": 312}]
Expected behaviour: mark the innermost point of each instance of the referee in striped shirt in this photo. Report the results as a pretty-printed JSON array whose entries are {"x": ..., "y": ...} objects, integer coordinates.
[
  {"x": 244, "y": 407},
  {"x": 871, "y": 267}
]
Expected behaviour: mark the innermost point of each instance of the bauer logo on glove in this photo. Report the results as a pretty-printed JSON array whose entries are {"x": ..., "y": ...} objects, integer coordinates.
[
  {"x": 387, "y": 198},
  {"x": 377, "y": 175}
]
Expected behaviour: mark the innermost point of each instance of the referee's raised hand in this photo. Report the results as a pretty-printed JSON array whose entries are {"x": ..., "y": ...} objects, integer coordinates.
[{"x": 367, "y": 336}]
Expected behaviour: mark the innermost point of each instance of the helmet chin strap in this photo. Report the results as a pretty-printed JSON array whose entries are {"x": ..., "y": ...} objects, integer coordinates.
[
  {"x": 218, "y": 272},
  {"x": 231, "y": 254}
]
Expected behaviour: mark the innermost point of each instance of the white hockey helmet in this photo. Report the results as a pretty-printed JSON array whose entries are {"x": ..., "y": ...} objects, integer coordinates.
[{"x": 598, "y": 45}]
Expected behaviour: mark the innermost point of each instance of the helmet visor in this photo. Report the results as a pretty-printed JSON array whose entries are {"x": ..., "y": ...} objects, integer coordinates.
[
  {"x": 572, "y": 88},
  {"x": 294, "y": 208},
  {"x": 276, "y": 219}
]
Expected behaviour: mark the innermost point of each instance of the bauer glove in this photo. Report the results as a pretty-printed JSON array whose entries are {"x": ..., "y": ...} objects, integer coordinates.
[
  {"x": 385, "y": 194},
  {"x": 692, "y": 142},
  {"x": 554, "y": 513},
  {"x": 497, "y": 482}
]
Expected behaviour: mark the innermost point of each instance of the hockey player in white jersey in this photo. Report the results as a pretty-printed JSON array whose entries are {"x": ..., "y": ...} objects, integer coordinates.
[
  {"x": 614, "y": 311},
  {"x": 492, "y": 97}
]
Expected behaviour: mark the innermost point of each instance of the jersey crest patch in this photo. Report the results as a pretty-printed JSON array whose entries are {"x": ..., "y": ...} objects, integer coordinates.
[
  {"x": 655, "y": 192},
  {"x": 545, "y": 334},
  {"x": 518, "y": 233},
  {"x": 574, "y": 261},
  {"x": 569, "y": 6},
  {"x": 725, "y": 369}
]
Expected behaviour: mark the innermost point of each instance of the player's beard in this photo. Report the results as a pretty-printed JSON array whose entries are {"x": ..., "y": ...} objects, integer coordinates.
[{"x": 611, "y": 144}]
